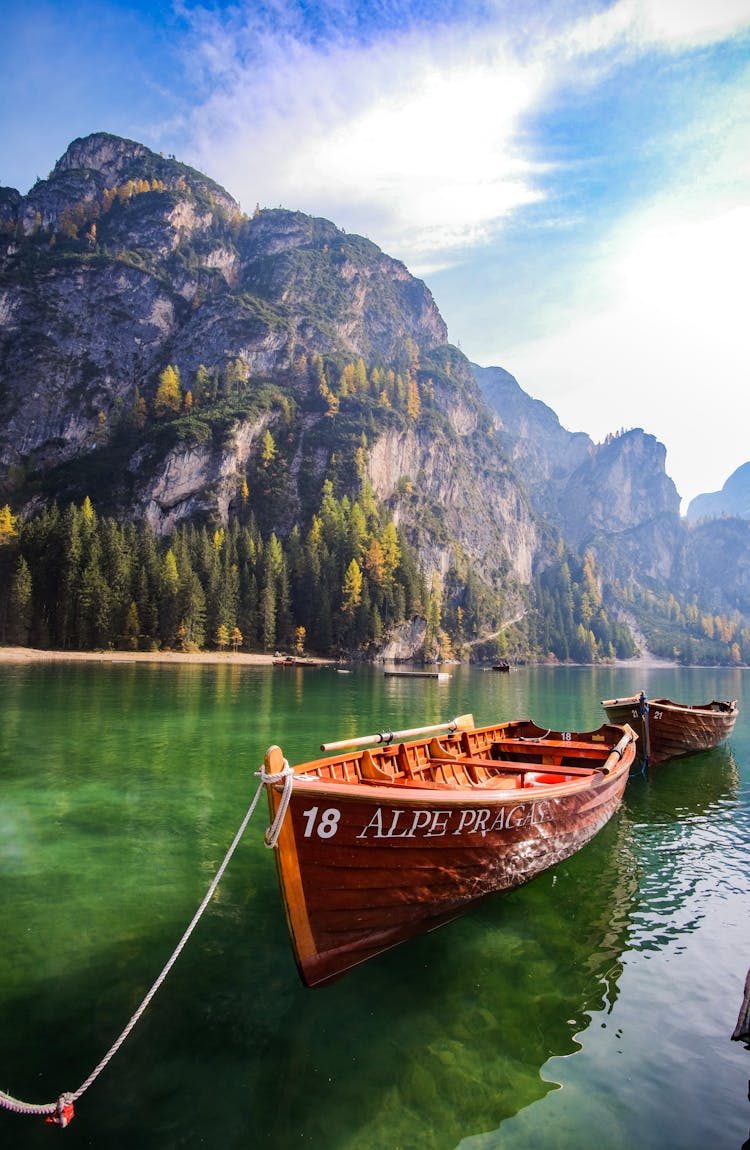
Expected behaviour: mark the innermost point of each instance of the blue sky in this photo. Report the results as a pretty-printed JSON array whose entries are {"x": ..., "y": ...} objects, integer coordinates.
[{"x": 571, "y": 180}]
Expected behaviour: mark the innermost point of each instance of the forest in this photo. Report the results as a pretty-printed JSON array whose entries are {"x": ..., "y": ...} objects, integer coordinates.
[
  {"x": 76, "y": 581},
  {"x": 71, "y": 579}
]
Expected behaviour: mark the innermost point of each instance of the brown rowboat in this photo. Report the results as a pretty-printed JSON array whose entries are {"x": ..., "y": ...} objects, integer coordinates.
[
  {"x": 666, "y": 729},
  {"x": 376, "y": 845}
]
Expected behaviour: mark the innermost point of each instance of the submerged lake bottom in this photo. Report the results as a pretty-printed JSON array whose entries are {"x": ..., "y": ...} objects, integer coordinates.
[{"x": 592, "y": 1007}]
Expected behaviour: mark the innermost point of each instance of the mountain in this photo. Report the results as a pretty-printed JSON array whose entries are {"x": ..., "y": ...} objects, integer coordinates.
[
  {"x": 182, "y": 364},
  {"x": 124, "y": 261},
  {"x": 583, "y": 487},
  {"x": 531, "y": 434},
  {"x": 123, "y": 265},
  {"x": 733, "y": 499}
]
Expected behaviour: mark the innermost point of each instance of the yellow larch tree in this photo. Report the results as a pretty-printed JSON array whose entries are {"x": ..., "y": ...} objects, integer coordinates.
[
  {"x": 351, "y": 595},
  {"x": 7, "y": 524},
  {"x": 169, "y": 392}
]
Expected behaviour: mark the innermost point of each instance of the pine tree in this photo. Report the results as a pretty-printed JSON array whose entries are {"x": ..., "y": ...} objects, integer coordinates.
[
  {"x": 20, "y": 604},
  {"x": 169, "y": 607},
  {"x": 268, "y": 616},
  {"x": 132, "y": 627}
]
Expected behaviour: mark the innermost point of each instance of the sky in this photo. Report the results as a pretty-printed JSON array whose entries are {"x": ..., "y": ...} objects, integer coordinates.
[{"x": 570, "y": 179}]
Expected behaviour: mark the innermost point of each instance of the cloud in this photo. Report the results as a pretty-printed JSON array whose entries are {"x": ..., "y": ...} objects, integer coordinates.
[
  {"x": 667, "y": 24},
  {"x": 667, "y": 352},
  {"x": 407, "y": 139},
  {"x": 417, "y": 136},
  {"x": 573, "y": 183}
]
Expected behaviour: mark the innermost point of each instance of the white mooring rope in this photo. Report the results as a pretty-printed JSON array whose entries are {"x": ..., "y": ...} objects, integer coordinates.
[{"x": 61, "y": 1111}]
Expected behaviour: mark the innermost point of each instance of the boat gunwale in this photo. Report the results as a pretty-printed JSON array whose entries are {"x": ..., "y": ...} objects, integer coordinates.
[
  {"x": 717, "y": 708},
  {"x": 415, "y": 794},
  {"x": 412, "y": 792}
]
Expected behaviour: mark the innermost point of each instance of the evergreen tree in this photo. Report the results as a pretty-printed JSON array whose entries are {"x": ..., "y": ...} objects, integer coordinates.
[
  {"x": 268, "y": 616},
  {"x": 20, "y": 604},
  {"x": 169, "y": 603},
  {"x": 132, "y": 627},
  {"x": 66, "y": 634}
]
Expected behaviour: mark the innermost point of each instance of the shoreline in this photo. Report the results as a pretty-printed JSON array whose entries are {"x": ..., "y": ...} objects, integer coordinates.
[
  {"x": 226, "y": 658},
  {"x": 235, "y": 658}
]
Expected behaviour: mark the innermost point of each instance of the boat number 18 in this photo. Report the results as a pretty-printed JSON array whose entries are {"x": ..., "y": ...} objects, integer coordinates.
[{"x": 326, "y": 826}]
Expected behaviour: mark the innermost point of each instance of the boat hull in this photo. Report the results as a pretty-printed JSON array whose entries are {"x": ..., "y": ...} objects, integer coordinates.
[
  {"x": 667, "y": 730},
  {"x": 364, "y": 868}
]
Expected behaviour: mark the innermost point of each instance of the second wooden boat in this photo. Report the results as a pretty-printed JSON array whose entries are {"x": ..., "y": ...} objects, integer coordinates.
[
  {"x": 398, "y": 834},
  {"x": 666, "y": 729}
]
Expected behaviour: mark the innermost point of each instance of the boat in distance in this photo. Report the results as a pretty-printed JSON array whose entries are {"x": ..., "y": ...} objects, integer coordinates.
[
  {"x": 400, "y": 832},
  {"x": 666, "y": 730}
]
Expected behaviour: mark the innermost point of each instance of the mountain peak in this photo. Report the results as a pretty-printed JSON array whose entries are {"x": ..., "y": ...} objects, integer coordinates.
[
  {"x": 117, "y": 160},
  {"x": 101, "y": 152}
]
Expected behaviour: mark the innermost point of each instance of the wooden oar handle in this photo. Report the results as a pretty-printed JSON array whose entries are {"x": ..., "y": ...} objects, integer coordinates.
[{"x": 460, "y": 723}]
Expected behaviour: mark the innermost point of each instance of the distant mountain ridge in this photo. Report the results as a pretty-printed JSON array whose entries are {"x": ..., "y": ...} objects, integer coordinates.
[
  {"x": 733, "y": 499},
  {"x": 125, "y": 263}
]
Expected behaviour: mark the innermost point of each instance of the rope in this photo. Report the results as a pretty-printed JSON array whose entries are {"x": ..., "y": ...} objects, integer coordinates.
[
  {"x": 535, "y": 738},
  {"x": 271, "y": 836},
  {"x": 61, "y": 1111},
  {"x": 643, "y": 712}
]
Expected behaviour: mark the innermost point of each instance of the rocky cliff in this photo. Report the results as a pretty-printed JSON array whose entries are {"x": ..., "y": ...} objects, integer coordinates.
[
  {"x": 125, "y": 264},
  {"x": 123, "y": 261}
]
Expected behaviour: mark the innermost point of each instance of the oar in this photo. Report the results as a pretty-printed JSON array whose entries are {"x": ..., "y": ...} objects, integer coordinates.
[
  {"x": 460, "y": 723},
  {"x": 619, "y": 750}
]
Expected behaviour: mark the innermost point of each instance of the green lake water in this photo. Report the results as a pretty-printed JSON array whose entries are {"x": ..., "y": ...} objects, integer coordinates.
[{"x": 592, "y": 1008}]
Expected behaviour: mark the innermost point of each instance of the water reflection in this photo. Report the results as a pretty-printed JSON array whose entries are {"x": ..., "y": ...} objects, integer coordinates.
[
  {"x": 686, "y": 832},
  {"x": 449, "y": 1033},
  {"x": 685, "y": 823},
  {"x": 121, "y": 790}
]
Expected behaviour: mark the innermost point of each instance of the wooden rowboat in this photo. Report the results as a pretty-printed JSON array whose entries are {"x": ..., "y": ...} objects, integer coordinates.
[
  {"x": 378, "y": 843},
  {"x": 293, "y": 661},
  {"x": 666, "y": 729}
]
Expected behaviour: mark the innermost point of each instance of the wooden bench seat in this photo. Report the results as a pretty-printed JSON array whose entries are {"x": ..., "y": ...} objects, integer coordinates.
[
  {"x": 435, "y": 766},
  {"x": 563, "y": 746}
]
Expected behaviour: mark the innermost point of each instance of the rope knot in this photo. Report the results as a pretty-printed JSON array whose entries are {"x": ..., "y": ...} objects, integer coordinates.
[
  {"x": 271, "y": 837},
  {"x": 64, "y": 1112}
]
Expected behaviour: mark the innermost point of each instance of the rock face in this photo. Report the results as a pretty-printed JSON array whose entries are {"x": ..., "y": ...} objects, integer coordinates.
[
  {"x": 406, "y": 643},
  {"x": 620, "y": 483},
  {"x": 131, "y": 261},
  {"x": 531, "y": 434},
  {"x": 717, "y": 569},
  {"x": 585, "y": 488},
  {"x": 616, "y": 499},
  {"x": 476, "y": 501},
  {"x": 125, "y": 262}
]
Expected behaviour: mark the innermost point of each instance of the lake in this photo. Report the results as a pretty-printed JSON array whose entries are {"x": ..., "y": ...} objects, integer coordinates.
[{"x": 591, "y": 1008}]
